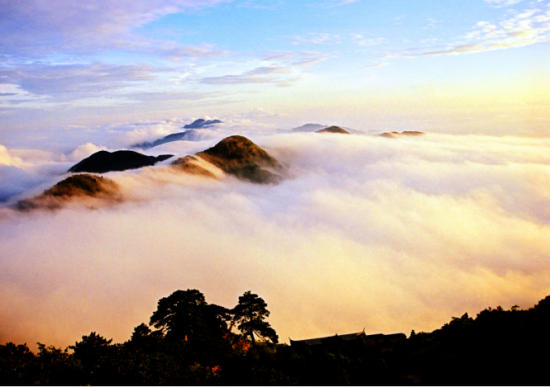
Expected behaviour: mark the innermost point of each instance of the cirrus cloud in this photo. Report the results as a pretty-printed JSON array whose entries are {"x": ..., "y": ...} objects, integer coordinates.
[{"x": 40, "y": 27}]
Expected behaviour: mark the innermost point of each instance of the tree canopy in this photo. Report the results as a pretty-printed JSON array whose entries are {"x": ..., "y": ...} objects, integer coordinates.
[
  {"x": 185, "y": 314},
  {"x": 249, "y": 315},
  {"x": 193, "y": 345}
]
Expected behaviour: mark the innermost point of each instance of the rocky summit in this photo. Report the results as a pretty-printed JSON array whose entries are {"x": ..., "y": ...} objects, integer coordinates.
[
  {"x": 103, "y": 161},
  {"x": 333, "y": 129},
  {"x": 83, "y": 186},
  {"x": 237, "y": 156}
]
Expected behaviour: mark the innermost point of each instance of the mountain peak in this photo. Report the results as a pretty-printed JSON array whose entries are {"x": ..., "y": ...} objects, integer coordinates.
[
  {"x": 333, "y": 129},
  {"x": 76, "y": 186},
  {"x": 237, "y": 156},
  {"x": 201, "y": 123},
  {"x": 239, "y": 148},
  {"x": 103, "y": 161},
  {"x": 410, "y": 133},
  {"x": 309, "y": 128}
]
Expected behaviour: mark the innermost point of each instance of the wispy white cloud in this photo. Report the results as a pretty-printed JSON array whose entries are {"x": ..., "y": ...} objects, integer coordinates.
[
  {"x": 528, "y": 27},
  {"x": 271, "y": 5},
  {"x": 302, "y": 58},
  {"x": 175, "y": 51},
  {"x": 257, "y": 75},
  {"x": 310, "y": 60},
  {"x": 258, "y": 113},
  {"x": 339, "y": 3},
  {"x": 502, "y": 3},
  {"x": 40, "y": 27},
  {"x": 362, "y": 41},
  {"x": 12, "y": 94},
  {"x": 318, "y": 38},
  {"x": 76, "y": 80},
  {"x": 378, "y": 65}
]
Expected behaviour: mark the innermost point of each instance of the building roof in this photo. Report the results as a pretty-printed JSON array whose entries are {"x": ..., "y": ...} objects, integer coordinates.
[
  {"x": 347, "y": 337},
  {"x": 318, "y": 340}
]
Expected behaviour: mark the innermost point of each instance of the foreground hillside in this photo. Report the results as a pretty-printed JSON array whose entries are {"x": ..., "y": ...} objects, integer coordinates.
[{"x": 189, "y": 341}]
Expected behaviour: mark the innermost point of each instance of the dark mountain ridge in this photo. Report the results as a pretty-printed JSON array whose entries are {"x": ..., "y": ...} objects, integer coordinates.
[
  {"x": 237, "y": 156},
  {"x": 408, "y": 133},
  {"x": 188, "y": 135},
  {"x": 309, "y": 128},
  {"x": 76, "y": 186},
  {"x": 318, "y": 128},
  {"x": 333, "y": 129},
  {"x": 103, "y": 161},
  {"x": 201, "y": 123}
]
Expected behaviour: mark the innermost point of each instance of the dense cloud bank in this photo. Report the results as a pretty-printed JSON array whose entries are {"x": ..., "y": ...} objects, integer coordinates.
[{"x": 386, "y": 234}]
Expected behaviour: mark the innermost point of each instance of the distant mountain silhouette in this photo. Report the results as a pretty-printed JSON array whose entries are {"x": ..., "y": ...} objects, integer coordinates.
[
  {"x": 237, "y": 156},
  {"x": 410, "y": 133},
  {"x": 103, "y": 161},
  {"x": 76, "y": 186},
  {"x": 309, "y": 128},
  {"x": 201, "y": 123},
  {"x": 188, "y": 135},
  {"x": 333, "y": 129}
]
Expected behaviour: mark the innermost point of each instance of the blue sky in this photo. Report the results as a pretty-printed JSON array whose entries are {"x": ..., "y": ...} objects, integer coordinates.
[{"x": 436, "y": 65}]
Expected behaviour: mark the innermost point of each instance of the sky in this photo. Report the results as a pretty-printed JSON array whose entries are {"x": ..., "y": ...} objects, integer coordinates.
[
  {"x": 386, "y": 234},
  {"x": 475, "y": 66}
]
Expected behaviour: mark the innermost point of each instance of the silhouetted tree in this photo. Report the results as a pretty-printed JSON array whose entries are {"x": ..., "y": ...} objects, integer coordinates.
[
  {"x": 17, "y": 365},
  {"x": 249, "y": 315},
  {"x": 186, "y": 315},
  {"x": 179, "y": 314},
  {"x": 56, "y": 366},
  {"x": 144, "y": 339},
  {"x": 96, "y": 355},
  {"x": 90, "y": 348}
]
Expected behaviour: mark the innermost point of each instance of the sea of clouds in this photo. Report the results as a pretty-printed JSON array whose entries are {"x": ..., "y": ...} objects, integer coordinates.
[{"x": 365, "y": 232}]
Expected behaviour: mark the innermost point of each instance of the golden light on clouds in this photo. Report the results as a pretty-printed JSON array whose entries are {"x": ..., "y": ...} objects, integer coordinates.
[{"x": 386, "y": 234}]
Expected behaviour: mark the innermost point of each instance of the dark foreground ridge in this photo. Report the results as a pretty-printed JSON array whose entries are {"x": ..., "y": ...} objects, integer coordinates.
[
  {"x": 333, "y": 129},
  {"x": 82, "y": 186},
  {"x": 103, "y": 161},
  {"x": 237, "y": 156},
  {"x": 191, "y": 342}
]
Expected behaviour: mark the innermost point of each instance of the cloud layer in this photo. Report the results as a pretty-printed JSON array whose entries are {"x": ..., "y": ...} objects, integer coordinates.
[{"x": 386, "y": 234}]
